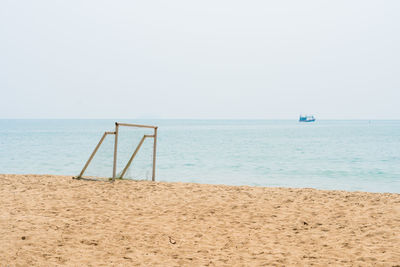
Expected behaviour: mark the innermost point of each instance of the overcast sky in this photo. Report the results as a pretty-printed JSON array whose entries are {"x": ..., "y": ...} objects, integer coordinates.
[{"x": 200, "y": 59}]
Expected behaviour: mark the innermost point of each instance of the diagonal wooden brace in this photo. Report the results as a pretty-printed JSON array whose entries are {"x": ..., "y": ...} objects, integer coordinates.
[
  {"x": 134, "y": 154},
  {"x": 93, "y": 153}
]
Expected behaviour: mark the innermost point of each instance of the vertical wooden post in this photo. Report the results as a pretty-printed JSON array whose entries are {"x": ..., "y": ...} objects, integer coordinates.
[
  {"x": 115, "y": 152},
  {"x": 154, "y": 154}
]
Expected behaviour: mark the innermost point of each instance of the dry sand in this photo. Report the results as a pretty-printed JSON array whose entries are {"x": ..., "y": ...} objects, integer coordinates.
[{"x": 55, "y": 220}]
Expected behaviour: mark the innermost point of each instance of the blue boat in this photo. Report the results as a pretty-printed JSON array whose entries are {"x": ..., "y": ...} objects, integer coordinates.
[{"x": 306, "y": 118}]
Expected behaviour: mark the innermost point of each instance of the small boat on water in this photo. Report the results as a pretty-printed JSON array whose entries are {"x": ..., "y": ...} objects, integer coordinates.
[{"x": 306, "y": 118}]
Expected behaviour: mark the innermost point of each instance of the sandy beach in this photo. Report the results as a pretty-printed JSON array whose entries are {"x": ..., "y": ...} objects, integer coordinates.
[{"x": 54, "y": 220}]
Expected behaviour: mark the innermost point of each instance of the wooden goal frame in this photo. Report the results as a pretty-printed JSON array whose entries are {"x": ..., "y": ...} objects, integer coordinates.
[{"x": 115, "y": 133}]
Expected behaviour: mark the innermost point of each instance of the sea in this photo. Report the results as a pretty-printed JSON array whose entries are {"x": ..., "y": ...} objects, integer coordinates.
[{"x": 353, "y": 155}]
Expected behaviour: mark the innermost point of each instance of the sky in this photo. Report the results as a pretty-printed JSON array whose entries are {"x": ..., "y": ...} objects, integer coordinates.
[{"x": 200, "y": 59}]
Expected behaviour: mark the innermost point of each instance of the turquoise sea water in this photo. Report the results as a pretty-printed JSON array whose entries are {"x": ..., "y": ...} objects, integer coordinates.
[{"x": 345, "y": 155}]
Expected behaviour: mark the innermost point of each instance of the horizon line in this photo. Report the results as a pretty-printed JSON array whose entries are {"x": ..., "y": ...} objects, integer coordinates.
[{"x": 155, "y": 118}]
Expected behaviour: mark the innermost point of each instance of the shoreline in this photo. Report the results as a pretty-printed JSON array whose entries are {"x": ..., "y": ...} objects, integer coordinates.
[
  {"x": 53, "y": 220},
  {"x": 105, "y": 179}
]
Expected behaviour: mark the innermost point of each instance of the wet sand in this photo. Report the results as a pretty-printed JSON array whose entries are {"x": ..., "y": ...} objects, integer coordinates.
[{"x": 54, "y": 220}]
